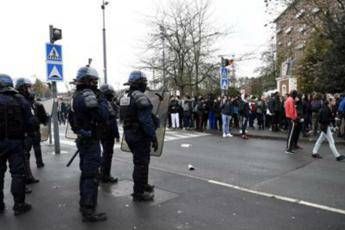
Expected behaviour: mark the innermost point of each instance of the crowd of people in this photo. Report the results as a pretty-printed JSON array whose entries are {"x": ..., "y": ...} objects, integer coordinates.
[{"x": 262, "y": 113}]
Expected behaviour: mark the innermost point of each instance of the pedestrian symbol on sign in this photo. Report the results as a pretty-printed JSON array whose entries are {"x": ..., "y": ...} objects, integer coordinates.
[{"x": 53, "y": 55}]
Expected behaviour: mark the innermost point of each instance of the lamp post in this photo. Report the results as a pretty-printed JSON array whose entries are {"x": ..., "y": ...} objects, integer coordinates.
[
  {"x": 104, "y": 43},
  {"x": 163, "y": 50}
]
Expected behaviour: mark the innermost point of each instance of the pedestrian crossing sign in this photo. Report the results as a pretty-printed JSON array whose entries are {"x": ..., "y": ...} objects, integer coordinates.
[
  {"x": 55, "y": 72},
  {"x": 54, "y": 62},
  {"x": 53, "y": 52},
  {"x": 224, "y": 84}
]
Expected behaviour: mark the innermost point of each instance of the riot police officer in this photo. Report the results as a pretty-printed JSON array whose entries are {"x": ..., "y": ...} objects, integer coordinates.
[
  {"x": 110, "y": 132},
  {"x": 24, "y": 87},
  {"x": 15, "y": 120},
  {"x": 88, "y": 112},
  {"x": 139, "y": 130}
]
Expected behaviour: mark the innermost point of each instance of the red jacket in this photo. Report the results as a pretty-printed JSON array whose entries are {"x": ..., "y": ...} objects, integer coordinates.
[{"x": 290, "y": 109}]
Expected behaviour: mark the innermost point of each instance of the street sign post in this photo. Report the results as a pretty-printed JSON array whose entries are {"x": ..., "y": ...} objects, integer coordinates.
[{"x": 54, "y": 74}]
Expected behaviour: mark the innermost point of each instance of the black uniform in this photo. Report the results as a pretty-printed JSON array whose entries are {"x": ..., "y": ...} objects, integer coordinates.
[
  {"x": 139, "y": 129},
  {"x": 15, "y": 121},
  {"x": 110, "y": 131}
]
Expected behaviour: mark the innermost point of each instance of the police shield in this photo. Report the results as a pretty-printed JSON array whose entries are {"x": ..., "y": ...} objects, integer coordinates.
[
  {"x": 44, "y": 129},
  {"x": 69, "y": 134},
  {"x": 160, "y": 102}
]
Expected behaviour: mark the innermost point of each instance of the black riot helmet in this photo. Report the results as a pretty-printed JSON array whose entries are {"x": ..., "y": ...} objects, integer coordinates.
[
  {"x": 24, "y": 87},
  {"x": 87, "y": 77},
  {"x": 137, "y": 81},
  {"x": 108, "y": 91}
]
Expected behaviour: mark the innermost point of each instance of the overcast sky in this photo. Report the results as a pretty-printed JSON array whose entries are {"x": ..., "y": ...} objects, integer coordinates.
[{"x": 24, "y": 31}]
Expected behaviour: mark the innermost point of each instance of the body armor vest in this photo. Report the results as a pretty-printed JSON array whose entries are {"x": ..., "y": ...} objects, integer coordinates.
[
  {"x": 79, "y": 120},
  {"x": 128, "y": 112},
  {"x": 11, "y": 118}
]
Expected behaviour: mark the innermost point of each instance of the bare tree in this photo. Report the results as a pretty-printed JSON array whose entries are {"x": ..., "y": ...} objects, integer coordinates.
[{"x": 181, "y": 46}]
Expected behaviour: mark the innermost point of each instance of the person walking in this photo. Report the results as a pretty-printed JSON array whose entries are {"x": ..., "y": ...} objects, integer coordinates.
[
  {"x": 244, "y": 112},
  {"x": 324, "y": 118},
  {"x": 291, "y": 115}
]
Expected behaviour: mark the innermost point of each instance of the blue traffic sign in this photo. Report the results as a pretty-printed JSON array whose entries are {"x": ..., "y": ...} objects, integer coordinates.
[
  {"x": 224, "y": 84},
  {"x": 224, "y": 72},
  {"x": 54, "y": 72},
  {"x": 53, "y": 52},
  {"x": 54, "y": 62},
  {"x": 224, "y": 80}
]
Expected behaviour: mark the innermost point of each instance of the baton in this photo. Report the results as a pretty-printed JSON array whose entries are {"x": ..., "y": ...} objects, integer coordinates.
[{"x": 72, "y": 159}]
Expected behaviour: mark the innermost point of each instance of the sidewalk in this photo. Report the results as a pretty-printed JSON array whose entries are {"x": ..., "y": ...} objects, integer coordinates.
[{"x": 266, "y": 134}]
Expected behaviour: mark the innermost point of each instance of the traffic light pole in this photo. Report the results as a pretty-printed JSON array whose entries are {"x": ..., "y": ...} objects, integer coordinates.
[
  {"x": 55, "y": 120},
  {"x": 55, "y": 105}
]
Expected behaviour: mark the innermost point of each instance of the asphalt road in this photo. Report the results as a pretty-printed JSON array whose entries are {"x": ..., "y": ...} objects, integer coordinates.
[{"x": 232, "y": 187}]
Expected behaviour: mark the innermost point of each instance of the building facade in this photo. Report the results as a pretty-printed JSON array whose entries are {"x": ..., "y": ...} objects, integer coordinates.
[{"x": 293, "y": 29}]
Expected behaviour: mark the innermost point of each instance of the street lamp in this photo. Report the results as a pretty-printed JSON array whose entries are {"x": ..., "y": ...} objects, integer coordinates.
[{"x": 104, "y": 43}]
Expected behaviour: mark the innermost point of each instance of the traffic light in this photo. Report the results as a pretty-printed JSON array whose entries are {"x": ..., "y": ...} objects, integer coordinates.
[
  {"x": 227, "y": 62},
  {"x": 54, "y": 34}
]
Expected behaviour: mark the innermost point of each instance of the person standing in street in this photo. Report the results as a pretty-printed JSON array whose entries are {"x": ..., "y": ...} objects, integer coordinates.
[
  {"x": 15, "y": 120},
  {"x": 110, "y": 133},
  {"x": 325, "y": 117},
  {"x": 187, "y": 113},
  {"x": 244, "y": 111},
  {"x": 139, "y": 124},
  {"x": 291, "y": 115},
  {"x": 33, "y": 139},
  {"x": 227, "y": 110},
  {"x": 89, "y": 112},
  {"x": 174, "y": 113}
]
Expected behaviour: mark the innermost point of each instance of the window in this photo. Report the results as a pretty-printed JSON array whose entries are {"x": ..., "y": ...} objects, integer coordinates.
[
  {"x": 300, "y": 13},
  {"x": 315, "y": 10},
  {"x": 288, "y": 30}
]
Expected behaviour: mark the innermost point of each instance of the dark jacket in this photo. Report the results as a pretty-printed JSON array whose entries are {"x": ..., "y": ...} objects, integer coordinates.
[
  {"x": 325, "y": 117},
  {"x": 227, "y": 108}
]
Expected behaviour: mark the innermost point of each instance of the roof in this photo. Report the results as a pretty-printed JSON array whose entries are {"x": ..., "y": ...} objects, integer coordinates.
[{"x": 286, "y": 10}]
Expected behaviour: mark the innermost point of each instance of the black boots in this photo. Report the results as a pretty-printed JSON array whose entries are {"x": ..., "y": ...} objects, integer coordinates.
[
  {"x": 40, "y": 164},
  {"x": 143, "y": 197},
  {"x": 109, "y": 179},
  {"x": 21, "y": 208},
  {"x": 89, "y": 215},
  {"x": 149, "y": 188},
  {"x": 31, "y": 180}
]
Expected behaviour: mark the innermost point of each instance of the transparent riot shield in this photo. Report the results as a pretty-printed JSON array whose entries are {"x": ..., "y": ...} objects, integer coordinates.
[
  {"x": 160, "y": 102},
  {"x": 44, "y": 129}
]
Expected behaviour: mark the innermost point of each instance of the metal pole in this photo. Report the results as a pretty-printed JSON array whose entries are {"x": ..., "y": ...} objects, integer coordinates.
[
  {"x": 104, "y": 44},
  {"x": 50, "y": 129},
  {"x": 55, "y": 120},
  {"x": 163, "y": 54},
  {"x": 54, "y": 114}
]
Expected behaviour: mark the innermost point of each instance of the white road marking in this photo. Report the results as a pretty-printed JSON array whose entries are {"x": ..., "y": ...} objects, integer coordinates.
[{"x": 278, "y": 197}]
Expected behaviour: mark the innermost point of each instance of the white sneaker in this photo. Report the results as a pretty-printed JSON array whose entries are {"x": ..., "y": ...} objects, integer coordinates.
[
  {"x": 224, "y": 135},
  {"x": 229, "y": 135}
]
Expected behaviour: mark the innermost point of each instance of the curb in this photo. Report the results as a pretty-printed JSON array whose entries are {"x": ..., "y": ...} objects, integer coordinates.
[{"x": 270, "y": 137}]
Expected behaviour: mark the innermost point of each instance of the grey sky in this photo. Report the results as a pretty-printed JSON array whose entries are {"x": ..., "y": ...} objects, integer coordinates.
[{"x": 24, "y": 32}]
